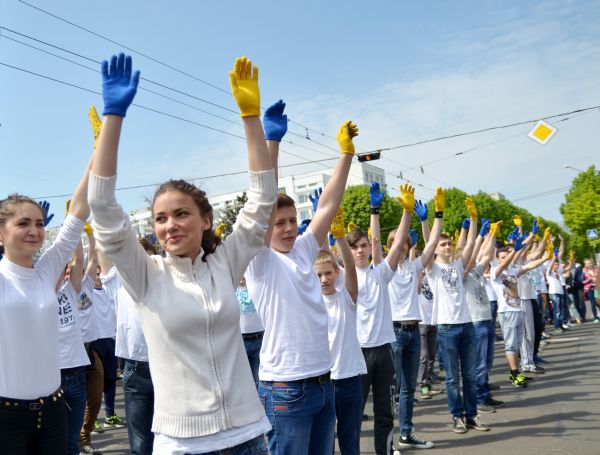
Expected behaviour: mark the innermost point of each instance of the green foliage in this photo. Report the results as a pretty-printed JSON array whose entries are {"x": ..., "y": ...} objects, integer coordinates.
[
  {"x": 229, "y": 214},
  {"x": 581, "y": 211},
  {"x": 357, "y": 210}
]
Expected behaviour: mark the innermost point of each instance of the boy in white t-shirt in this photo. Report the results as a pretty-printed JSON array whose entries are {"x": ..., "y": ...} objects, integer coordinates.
[
  {"x": 374, "y": 323},
  {"x": 456, "y": 334},
  {"x": 348, "y": 361},
  {"x": 295, "y": 362}
]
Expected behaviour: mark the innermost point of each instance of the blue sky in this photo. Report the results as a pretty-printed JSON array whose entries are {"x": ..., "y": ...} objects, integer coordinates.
[{"x": 403, "y": 71}]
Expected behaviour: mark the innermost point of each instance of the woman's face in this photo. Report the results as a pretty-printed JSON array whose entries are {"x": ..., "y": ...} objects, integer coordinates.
[
  {"x": 23, "y": 234},
  {"x": 178, "y": 224}
]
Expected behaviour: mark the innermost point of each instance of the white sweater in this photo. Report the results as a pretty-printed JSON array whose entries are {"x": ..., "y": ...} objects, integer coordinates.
[
  {"x": 29, "y": 348},
  {"x": 190, "y": 315}
]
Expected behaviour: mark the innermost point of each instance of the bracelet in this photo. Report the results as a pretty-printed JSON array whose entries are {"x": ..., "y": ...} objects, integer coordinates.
[
  {"x": 439, "y": 215},
  {"x": 374, "y": 210}
]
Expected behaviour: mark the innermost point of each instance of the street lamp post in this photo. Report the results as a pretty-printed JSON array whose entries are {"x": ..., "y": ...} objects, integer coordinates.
[{"x": 573, "y": 168}]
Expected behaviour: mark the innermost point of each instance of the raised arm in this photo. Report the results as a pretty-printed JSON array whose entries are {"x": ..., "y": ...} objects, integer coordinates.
[
  {"x": 421, "y": 211},
  {"x": 77, "y": 268},
  {"x": 439, "y": 200},
  {"x": 468, "y": 250},
  {"x": 375, "y": 199},
  {"x": 462, "y": 237},
  {"x": 334, "y": 190},
  {"x": 407, "y": 200},
  {"x": 338, "y": 233}
]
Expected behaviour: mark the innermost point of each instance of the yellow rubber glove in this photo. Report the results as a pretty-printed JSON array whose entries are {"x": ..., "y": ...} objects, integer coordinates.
[
  {"x": 96, "y": 123},
  {"x": 369, "y": 233},
  {"x": 571, "y": 255},
  {"x": 344, "y": 137},
  {"x": 455, "y": 237},
  {"x": 547, "y": 233},
  {"x": 244, "y": 85},
  {"x": 67, "y": 206},
  {"x": 407, "y": 197},
  {"x": 537, "y": 238},
  {"x": 219, "y": 230},
  {"x": 471, "y": 208},
  {"x": 439, "y": 199},
  {"x": 386, "y": 250},
  {"x": 351, "y": 227},
  {"x": 495, "y": 228},
  {"x": 87, "y": 228},
  {"x": 337, "y": 224},
  {"x": 517, "y": 220}
]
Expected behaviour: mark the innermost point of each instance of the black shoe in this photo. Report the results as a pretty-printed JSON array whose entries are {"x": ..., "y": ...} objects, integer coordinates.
[
  {"x": 493, "y": 386},
  {"x": 412, "y": 441},
  {"x": 476, "y": 424},
  {"x": 494, "y": 403},
  {"x": 484, "y": 407},
  {"x": 365, "y": 417},
  {"x": 459, "y": 425}
]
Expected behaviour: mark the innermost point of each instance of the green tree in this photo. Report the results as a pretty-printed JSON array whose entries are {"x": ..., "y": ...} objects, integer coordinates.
[
  {"x": 581, "y": 211},
  {"x": 229, "y": 214}
]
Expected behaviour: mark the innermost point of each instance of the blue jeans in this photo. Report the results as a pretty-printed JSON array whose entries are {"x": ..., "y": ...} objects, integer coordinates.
[
  {"x": 105, "y": 348},
  {"x": 485, "y": 335},
  {"x": 256, "y": 446},
  {"x": 348, "y": 410},
  {"x": 252, "y": 346},
  {"x": 589, "y": 295},
  {"x": 139, "y": 406},
  {"x": 494, "y": 306},
  {"x": 75, "y": 390},
  {"x": 302, "y": 415},
  {"x": 457, "y": 342},
  {"x": 564, "y": 309},
  {"x": 407, "y": 351},
  {"x": 556, "y": 300}
]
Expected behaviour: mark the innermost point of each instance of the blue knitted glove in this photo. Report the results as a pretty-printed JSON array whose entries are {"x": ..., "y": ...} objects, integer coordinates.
[
  {"x": 514, "y": 234},
  {"x": 303, "y": 226},
  {"x": 275, "y": 123},
  {"x": 556, "y": 252},
  {"x": 535, "y": 228},
  {"x": 315, "y": 199},
  {"x": 331, "y": 240},
  {"x": 485, "y": 227},
  {"x": 519, "y": 243},
  {"x": 375, "y": 195},
  {"x": 466, "y": 224},
  {"x": 421, "y": 210},
  {"x": 119, "y": 86},
  {"x": 413, "y": 237},
  {"x": 45, "y": 206}
]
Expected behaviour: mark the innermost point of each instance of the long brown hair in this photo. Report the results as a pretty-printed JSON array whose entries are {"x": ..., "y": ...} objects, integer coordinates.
[{"x": 8, "y": 206}]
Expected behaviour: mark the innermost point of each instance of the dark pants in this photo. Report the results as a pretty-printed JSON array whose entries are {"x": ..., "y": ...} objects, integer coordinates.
[
  {"x": 252, "y": 344},
  {"x": 381, "y": 376},
  {"x": 33, "y": 428},
  {"x": 538, "y": 326},
  {"x": 256, "y": 446},
  {"x": 348, "y": 410},
  {"x": 494, "y": 307},
  {"x": 139, "y": 406},
  {"x": 105, "y": 348},
  {"x": 589, "y": 295},
  {"x": 579, "y": 303},
  {"x": 428, "y": 348},
  {"x": 407, "y": 351},
  {"x": 486, "y": 336},
  {"x": 73, "y": 384}
]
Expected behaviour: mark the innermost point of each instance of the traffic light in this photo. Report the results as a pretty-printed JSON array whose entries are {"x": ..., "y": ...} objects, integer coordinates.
[{"x": 369, "y": 156}]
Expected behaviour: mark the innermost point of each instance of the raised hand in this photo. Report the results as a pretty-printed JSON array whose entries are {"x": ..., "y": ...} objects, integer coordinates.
[
  {"x": 219, "y": 230},
  {"x": 513, "y": 235},
  {"x": 518, "y": 243},
  {"x": 45, "y": 206},
  {"x": 466, "y": 224},
  {"x": 439, "y": 199},
  {"x": 331, "y": 239},
  {"x": 337, "y": 224},
  {"x": 547, "y": 233},
  {"x": 517, "y": 220},
  {"x": 119, "y": 85},
  {"x": 244, "y": 85},
  {"x": 471, "y": 208},
  {"x": 556, "y": 252},
  {"x": 315, "y": 199},
  {"x": 67, "y": 207},
  {"x": 87, "y": 228},
  {"x": 413, "y": 237},
  {"x": 407, "y": 197},
  {"x": 303, "y": 226},
  {"x": 535, "y": 228},
  {"x": 485, "y": 227},
  {"x": 421, "y": 210},
  {"x": 495, "y": 228},
  {"x": 96, "y": 123},
  {"x": 347, "y": 132},
  {"x": 375, "y": 195},
  {"x": 351, "y": 227},
  {"x": 275, "y": 122}
]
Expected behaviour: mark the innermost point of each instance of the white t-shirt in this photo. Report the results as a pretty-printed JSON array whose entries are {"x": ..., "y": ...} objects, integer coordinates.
[
  {"x": 404, "y": 293},
  {"x": 554, "y": 284},
  {"x": 477, "y": 299},
  {"x": 249, "y": 320},
  {"x": 538, "y": 278},
  {"x": 374, "y": 324},
  {"x": 506, "y": 289},
  {"x": 561, "y": 276},
  {"x": 489, "y": 290},
  {"x": 525, "y": 285},
  {"x": 425, "y": 302},
  {"x": 104, "y": 308},
  {"x": 348, "y": 359},
  {"x": 449, "y": 303},
  {"x": 88, "y": 321},
  {"x": 287, "y": 295},
  {"x": 72, "y": 350}
]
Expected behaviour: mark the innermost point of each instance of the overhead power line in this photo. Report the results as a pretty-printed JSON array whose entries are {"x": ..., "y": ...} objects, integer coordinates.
[{"x": 562, "y": 189}]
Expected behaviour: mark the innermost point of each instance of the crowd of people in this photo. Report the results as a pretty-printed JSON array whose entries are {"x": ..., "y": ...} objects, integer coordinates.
[{"x": 268, "y": 340}]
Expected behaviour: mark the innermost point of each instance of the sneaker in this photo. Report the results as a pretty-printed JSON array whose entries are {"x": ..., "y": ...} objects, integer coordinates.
[
  {"x": 97, "y": 429},
  {"x": 459, "y": 425},
  {"x": 484, "y": 407},
  {"x": 596, "y": 321},
  {"x": 566, "y": 326},
  {"x": 518, "y": 380},
  {"x": 476, "y": 424},
  {"x": 412, "y": 441},
  {"x": 558, "y": 331},
  {"x": 538, "y": 359},
  {"x": 493, "y": 386},
  {"x": 435, "y": 391},
  {"x": 425, "y": 394},
  {"x": 494, "y": 403},
  {"x": 88, "y": 450},
  {"x": 114, "y": 422}
]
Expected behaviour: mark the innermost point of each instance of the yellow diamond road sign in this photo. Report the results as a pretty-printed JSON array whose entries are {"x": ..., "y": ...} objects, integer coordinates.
[{"x": 542, "y": 132}]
